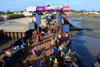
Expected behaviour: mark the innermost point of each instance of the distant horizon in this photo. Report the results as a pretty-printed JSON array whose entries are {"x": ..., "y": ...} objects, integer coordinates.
[{"x": 21, "y": 5}]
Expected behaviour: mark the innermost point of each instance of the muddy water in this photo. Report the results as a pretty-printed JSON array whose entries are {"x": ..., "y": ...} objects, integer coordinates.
[
  {"x": 8, "y": 23},
  {"x": 6, "y": 42},
  {"x": 87, "y": 46}
]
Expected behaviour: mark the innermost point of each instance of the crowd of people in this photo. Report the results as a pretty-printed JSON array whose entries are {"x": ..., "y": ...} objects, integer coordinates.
[{"x": 62, "y": 48}]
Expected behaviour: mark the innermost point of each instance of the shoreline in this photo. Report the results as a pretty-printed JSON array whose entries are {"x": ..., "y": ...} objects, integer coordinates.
[{"x": 91, "y": 24}]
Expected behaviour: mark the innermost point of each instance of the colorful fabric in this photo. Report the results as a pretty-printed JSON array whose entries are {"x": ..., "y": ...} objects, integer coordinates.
[
  {"x": 55, "y": 49},
  {"x": 51, "y": 59},
  {"x": 41, "y": 37},
  {"x": 33, "y": 50},
  {"x": 62, "y": 46},
  {"x": 41, "y": 64},
  {"x": 52, "y": 42},
  {"x": 59, "y": 36},
  {"x": 55, "y": 62},
  {"x": 44, "y": 57}
]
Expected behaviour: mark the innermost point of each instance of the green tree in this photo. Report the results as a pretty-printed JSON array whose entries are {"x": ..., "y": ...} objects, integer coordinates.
[
  {"x": 8, "y": 12},
  {"x": 40, "y": 13},
  {"x": 93, "y": 11},
  {"x": 21, "y": 12}
]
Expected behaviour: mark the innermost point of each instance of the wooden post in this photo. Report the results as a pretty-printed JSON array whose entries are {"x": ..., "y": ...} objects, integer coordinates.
[
  {"x": 17, "y": 36},
  {"x": 13, "y": 35},
  {"x": 21, "y": 35}
]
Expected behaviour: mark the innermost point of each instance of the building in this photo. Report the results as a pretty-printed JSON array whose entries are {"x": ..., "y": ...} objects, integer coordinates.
[{"x": 29, "y": 11}]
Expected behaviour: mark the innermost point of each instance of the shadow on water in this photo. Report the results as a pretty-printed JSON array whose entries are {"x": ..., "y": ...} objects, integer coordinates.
[
  {"x": 5, "y": 41},
  {"x": 87, "y": 60}
]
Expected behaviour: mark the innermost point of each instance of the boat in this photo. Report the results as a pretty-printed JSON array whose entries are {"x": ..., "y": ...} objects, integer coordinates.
[
  {"x": 9, "y": 56},
  {"x": 72, "y": 56}
]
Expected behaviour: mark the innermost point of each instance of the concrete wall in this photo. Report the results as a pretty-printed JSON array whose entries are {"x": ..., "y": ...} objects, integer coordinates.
[
  {"x": 10, "y": 17},
  {"x": 1, "y": 19}
]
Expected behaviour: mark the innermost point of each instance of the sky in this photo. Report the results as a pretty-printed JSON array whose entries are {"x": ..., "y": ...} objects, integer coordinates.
[{"x": 18, "y": 5}]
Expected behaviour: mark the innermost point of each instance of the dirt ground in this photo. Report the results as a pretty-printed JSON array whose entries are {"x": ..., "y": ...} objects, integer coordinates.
[{"x": 40, "y": 48}]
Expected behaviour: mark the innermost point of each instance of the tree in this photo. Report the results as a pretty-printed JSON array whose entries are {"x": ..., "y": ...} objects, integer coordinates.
[
  {"x": 8, "y": 12},
  {"x": 93, "y": 11},
  {"x": 21, "y": 12}
]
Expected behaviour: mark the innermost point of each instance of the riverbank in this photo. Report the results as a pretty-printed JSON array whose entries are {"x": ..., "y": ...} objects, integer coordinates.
[
  {"x": 91, "y": 24},
  {"x": 21, "y": 26}
]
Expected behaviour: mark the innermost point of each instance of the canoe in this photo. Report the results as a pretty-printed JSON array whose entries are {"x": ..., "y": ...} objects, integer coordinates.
[{"x": 14, "y": 54}]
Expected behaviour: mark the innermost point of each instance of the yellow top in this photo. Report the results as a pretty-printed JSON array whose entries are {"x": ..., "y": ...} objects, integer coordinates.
[
  {"x": 55, "y": 62},
  {"x": 52, "y": 42}
]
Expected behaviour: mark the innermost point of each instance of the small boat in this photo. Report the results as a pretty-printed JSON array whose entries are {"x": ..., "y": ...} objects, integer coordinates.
[{"x": 9, "y": 56}]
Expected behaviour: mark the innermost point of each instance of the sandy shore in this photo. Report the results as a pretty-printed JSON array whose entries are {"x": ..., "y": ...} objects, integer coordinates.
[
  {"x": 22, "y": 26},
  {"x": 91, "y": 24}
]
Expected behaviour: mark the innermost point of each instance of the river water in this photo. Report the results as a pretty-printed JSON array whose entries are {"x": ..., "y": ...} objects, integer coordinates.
[{"x": 87, "y": 46}]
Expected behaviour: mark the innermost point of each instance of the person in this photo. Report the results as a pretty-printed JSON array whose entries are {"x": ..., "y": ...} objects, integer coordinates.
[
  {"x": 62, "y": 46},
  {"x": 43, "y": 33},
  {"x": 28, "y": 63},
  {"x": 44, "y": 56},
  {"x": 41, "y": 64},
  {"x": 55, "y": 63},
  {"x": 52, "y": 30},
  {"x": 41, "y": 39},
  {"x": 55, "y": 49},
  {"x": 51, "y": 59},
  {"x": 21, "y": 64},
  {"x": 59, "y": 36},
  {"x": 74, "y": 64},
  {"x": 52, "y": 42},
  {"x": 56, "y": 40},
  {"x": 34, "y": 50}
]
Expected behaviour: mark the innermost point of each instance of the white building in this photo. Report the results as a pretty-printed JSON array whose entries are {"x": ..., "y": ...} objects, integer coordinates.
[{"x": 29, "y": 11}]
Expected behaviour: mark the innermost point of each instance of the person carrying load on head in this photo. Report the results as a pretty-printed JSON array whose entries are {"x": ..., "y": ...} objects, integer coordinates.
[
  {"x": 44, "y": 56},
  {"x": 51, "y": 59}
]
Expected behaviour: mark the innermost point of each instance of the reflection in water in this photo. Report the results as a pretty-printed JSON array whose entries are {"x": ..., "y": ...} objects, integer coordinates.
[
  {"x": 8, "y": 23},
  {"x": 74, "y": 18},
  {"x": 75, "y": 23}
]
